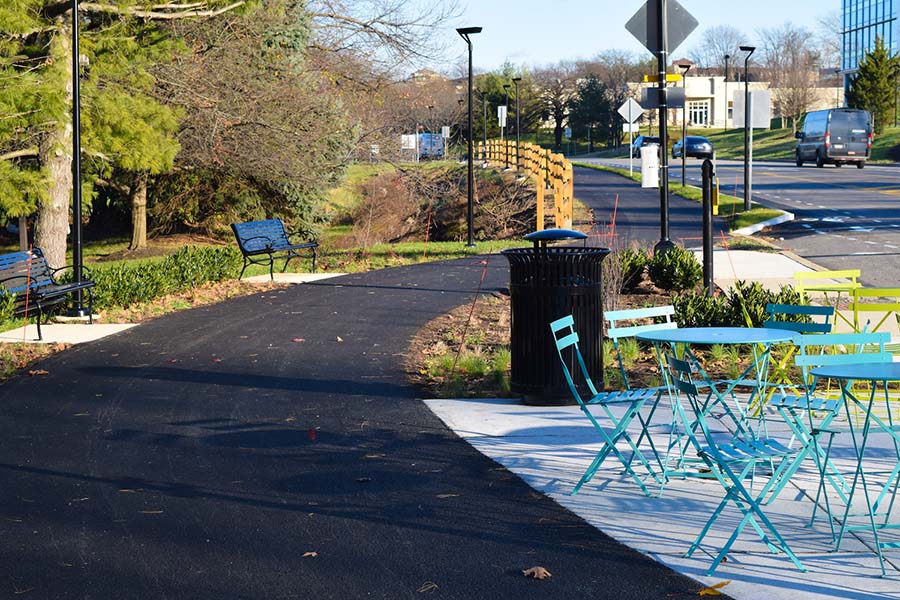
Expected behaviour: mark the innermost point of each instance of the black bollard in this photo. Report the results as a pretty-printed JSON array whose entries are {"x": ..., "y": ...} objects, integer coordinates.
[{"x": 708, "y": 175}]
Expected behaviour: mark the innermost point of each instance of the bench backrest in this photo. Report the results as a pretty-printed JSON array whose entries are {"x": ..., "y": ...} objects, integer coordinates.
[
  {"x": 254, "y": 236},
  {"x": 17, "y": 268}
]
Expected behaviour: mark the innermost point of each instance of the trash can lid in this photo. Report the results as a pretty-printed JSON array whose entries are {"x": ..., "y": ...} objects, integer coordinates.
[{"x": 554, "y": 235}]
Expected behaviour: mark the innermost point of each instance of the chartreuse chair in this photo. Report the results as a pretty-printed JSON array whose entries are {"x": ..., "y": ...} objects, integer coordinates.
[
  {"x": 627, "y": 405},
  {"x": 877, "y": 309},
  {"x": 833, "y": 285},
  {"x": 733, "y": 459},
  {"x": 809, "y": 415}
]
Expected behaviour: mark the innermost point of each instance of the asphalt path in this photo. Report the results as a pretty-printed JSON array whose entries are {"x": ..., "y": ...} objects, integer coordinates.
[
  {"x": 271, "y": 447},
  {"x": 624, "y": 212},
  {"x": 844, "y": 217}
]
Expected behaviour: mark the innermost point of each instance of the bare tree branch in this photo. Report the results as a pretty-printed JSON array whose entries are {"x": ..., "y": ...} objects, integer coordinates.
[
  {"x": 164, "y": 12},
  {"x": 19, "y": 153}
]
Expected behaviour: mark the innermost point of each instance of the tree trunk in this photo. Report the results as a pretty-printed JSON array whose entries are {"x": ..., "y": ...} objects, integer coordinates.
[
  {"x": 52, "y": 222},
  {"x": 139, "y": 213}
]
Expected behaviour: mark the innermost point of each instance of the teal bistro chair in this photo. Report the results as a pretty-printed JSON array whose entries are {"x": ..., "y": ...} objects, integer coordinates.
[
  {"x": 626, "y": 324},
  {"x": 733, "y": 459},
  {"x": 627, "y": 405},
  {"x": 809, "y": 415}
]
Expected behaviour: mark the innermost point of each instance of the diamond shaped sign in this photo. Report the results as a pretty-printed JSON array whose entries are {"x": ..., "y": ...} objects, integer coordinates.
[
  {"x": 631, "y": 111},
  {"x": 644, "y": 25}
]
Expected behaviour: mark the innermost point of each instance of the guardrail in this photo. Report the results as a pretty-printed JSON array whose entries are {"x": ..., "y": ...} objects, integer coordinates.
[{"x": 551, "y": 173}]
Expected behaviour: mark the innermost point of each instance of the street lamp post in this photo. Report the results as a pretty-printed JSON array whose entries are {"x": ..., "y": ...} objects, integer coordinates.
[
  {"x": 464, "y": 33},
  {"x": 78, "y": 307},
  {"x": 685, "y": 67},
  {"x": 727, "y": 57},
  {"x": 748, "y": 185},
  {"x": 516, "y": 81}
]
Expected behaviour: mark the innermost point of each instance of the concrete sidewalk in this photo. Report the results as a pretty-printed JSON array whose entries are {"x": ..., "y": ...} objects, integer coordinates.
[{"x": 550, "y": 447}]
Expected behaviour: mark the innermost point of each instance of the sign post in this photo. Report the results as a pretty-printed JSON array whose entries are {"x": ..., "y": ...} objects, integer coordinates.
[
  {"x": 631, "y": 111},
  {"x": 651, "y": 26}
]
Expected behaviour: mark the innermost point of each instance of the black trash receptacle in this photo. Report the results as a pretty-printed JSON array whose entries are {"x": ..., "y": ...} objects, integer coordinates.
[{"x": 546, "y": 284}]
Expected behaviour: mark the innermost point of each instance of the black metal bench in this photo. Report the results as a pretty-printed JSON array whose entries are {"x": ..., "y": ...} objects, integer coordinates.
[
  {"x": 27, "y": 276},
  {"x": 261, "y": 241}
]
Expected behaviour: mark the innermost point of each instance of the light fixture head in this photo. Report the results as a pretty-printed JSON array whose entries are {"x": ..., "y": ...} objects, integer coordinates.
[
  {"x": 516, "y": 79},
  {"x": 465, "y": 32},
  {"x": 727, "y": 57},
  {"x": 749, "y": 49}
]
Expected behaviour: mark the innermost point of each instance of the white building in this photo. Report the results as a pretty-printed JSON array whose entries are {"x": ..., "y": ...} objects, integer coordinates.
[{"x": 709, "y": 100}]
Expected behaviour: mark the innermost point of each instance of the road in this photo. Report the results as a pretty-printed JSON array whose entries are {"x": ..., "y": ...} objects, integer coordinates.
[{"x": 844, "y": 217}]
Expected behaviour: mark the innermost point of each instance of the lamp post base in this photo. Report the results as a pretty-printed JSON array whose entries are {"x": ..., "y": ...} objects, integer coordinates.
[{"x": 663, "y": 246}]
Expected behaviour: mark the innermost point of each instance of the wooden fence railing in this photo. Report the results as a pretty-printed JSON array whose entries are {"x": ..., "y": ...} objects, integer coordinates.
[{"x": 551, "y": 173}]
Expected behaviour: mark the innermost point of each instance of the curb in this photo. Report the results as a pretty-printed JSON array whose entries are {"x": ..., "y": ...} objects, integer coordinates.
[{"x": 751, "y": 229}]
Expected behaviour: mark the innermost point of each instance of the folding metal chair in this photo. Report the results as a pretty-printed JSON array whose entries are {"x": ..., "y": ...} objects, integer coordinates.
[
  {"x": 733, "y": 461},
  {"x": 809, "y": 415},
  {"x": 832, "y": 285},
  {"x": 802, "y": 318},
  {"x": 629, "y": 401}
]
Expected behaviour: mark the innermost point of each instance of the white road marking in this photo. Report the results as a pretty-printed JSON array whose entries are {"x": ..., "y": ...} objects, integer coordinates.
[{"x": 891, "y": 246}]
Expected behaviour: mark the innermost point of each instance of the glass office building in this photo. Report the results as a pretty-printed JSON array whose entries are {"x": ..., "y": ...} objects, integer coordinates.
[{"x": 861, "y": 22}]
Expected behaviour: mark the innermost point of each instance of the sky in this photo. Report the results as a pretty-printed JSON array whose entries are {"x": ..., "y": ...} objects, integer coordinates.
[{"x": 545, "y": 32}]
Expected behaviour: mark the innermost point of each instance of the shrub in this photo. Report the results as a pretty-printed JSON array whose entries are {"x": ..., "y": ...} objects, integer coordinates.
[
  {"x": 742, "y": 306},
  {"x": 746, "y": 304},
  {"x": 676, "y": 269},
  {"x": 127, "y": 284},
  {"x": 633, "y": 262},
  {"x": 696, "y": 309}
]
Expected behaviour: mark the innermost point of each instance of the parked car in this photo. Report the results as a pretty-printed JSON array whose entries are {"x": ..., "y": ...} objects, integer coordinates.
[
  {"x": 835, "y": 135},
  {"x": 641, "y": 141},
  {"x": 697, "y": 147}
]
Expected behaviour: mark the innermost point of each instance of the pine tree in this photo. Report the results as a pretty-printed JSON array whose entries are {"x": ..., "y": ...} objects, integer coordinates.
[
  {"x": 123, "y": 127},
  {"x": 874, "y": 86}
]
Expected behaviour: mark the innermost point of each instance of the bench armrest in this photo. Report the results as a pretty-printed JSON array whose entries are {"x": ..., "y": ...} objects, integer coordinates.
[{"x": 84, "y": 269}]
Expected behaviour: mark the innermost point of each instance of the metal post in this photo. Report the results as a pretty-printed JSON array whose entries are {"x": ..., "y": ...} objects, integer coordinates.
[
  {"x": 727, "y": 56},
  {"x": 77, "y": 263},
  {"x": 506, "y": 87},
  {"x": 686, "y": 68},
  {"x": 484, "y": 137},
  {"x": 516, "y": 81},
  {"x": 747, "y": 175},
  {"x": 708, "y": 174},
  {"x": 664, "y": 243},
  {"x": 465, "y": 32}
]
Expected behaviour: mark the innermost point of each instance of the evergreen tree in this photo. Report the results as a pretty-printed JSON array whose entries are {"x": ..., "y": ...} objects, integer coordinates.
[
  {"x": 124, "y": 128},
  {"x": 589, "y": 108},
  {"x": 874, "y": 86}
]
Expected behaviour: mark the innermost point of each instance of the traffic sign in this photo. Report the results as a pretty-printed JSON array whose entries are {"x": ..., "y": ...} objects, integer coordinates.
[
  {"x": 644, "y": 25},
  {"x": 670, "y": 78},
  {"x": 653, "y": 97},
  {"x": 631, "y": 111},
  {"x": 501, "y": 115}
]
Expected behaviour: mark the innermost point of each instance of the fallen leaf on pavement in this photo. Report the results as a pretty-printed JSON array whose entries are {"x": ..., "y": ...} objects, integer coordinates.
[
  {"x": 340, "y": 339},
  {"x": 216, "y": 359},
  {"x": 310, "y": 554},
  {"x": 374, "y": 456},
  {"x": 444, "y": 496},
  {"x": 298, "y": 340},
  {"x": 34, "y": 372},
  {"x": 713, "y": 590},
  {"x": 428, "y": 586},
  {"x": 537, "y": 573}
]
